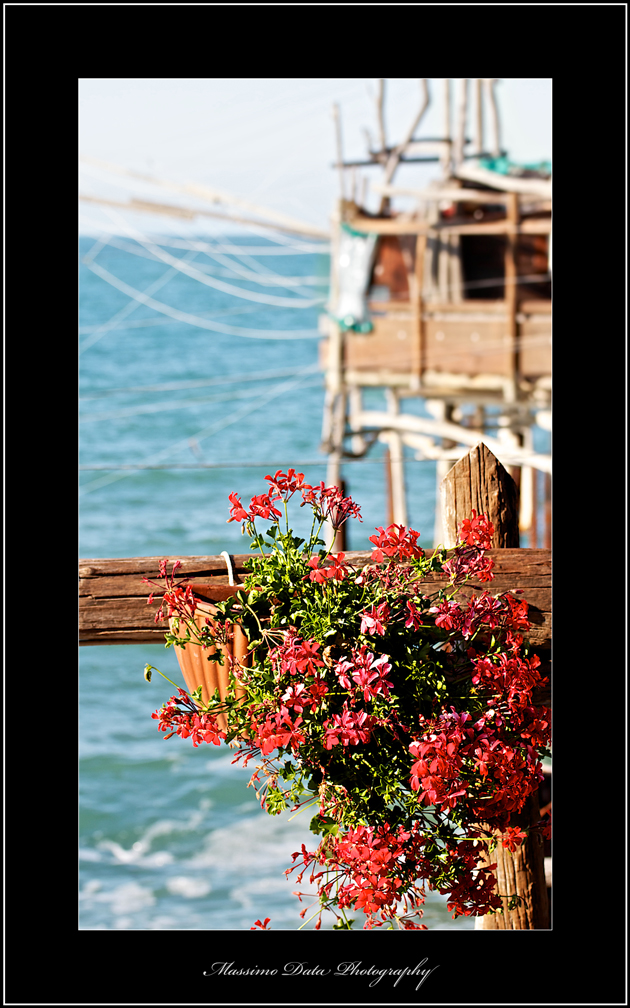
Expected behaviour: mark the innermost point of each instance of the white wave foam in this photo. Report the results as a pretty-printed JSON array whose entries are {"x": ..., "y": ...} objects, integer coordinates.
[
  {"x": 191, "y": 888},
  {"x": 257, "y": 844},
  {"x": 130, "y": 897}
]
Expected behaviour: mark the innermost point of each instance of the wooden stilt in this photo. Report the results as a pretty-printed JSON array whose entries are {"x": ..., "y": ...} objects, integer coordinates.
[
  {"x": 547, "y": 511},
  {"x": 533, "y": 528},
  {"x": 389, "y": 496}
]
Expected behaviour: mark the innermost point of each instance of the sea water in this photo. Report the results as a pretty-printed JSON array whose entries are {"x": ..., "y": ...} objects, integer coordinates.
[{"x": 171, "y": 837}]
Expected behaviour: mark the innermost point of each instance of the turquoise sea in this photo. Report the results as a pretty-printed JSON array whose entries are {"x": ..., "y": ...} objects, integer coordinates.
[{"x": 170, "y": 836}]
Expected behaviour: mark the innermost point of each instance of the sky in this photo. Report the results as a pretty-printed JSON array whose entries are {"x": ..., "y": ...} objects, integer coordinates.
[{"x": 268, "y": 140}]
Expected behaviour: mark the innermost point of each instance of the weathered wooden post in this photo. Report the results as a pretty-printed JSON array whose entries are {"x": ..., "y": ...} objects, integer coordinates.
[{"x": 479, "y": 481}]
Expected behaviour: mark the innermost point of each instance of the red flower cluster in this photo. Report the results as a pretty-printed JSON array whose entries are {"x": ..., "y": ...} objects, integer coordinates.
[
  {"x": 482, "y": 611},
  {"x": 329, "y": 504},
  {"x": 368, "y": 866},
  {"x": 367, "y": 673},
  {"x": 187, "y": 723},
  {"x": 395, "y": 541},
  {"x": 178, "y": 597},
  {"x": 348, "y": 728},
  {"x": 374, "y": 619},
  {"x": 296, "y": 657},
  {"x": 469, "y": 561},
  {"x": 488, "y": 768},
  {"x": 335, "y": 570},
  {"x": 284, "y": 485},
  {"x": 261, "y": 507},
  {"x": 278, "y": 731},
  {"x": 299, "y": 695},
  {"x": 325, "y": 711},
  {"x": 476, "y": 531},
  {"x": 512, "y": 837}
]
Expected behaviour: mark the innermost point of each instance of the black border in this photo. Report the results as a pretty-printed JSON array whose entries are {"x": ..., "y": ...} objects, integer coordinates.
[{"x": 582, "y": 960}]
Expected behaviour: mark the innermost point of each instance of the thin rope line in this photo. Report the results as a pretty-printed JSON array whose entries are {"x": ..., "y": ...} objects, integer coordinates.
[
  {"x": 129, "y": 411},
  {"x": 172, "y": 241},
  {"x": 103, "y": 329},
  {"x": 264, "y": 277},
  {"x": 242, "y": 465},
  {"x": 196, "y": 320},
  {"x": 153, "y": 321},
  {"x": 195, "y": 274},
  {"x": 194, "y": 383},
  {"x": 205, "y": 432}
]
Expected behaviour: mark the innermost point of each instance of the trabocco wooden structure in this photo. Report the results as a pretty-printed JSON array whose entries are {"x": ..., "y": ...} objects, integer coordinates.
[{"x": 447, "y": 301}]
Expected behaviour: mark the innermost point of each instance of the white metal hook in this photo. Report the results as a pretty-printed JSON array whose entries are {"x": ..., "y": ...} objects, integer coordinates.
[{"x": 226, "y": 557}]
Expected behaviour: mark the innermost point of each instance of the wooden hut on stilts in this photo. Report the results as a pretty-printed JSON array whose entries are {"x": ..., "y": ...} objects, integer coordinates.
[{"x": 449, "y": 301}]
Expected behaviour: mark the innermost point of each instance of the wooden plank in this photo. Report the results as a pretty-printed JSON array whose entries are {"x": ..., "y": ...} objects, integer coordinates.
[
  {"x": 468, "y": 347},
  {"x": 113, "y": 601},
  {"x": 405, "y": 225},
  {"x": 162, "y": 209},
  {"x": 213, "y": 196},
  {"x": 501, "y": 227},
  {"x": 467, "y": 343}
]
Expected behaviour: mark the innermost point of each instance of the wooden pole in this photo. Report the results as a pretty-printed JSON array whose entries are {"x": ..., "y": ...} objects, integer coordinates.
[
  {"x": 340, "y": 544},
  {"x": 462, "y": 115},
  {"x": 510, "y": 286},
  {"x": 380, "y": 114},
  {"x": 479, "y": 115},
  {"x": 480, "y": 481},
  {"x": 533, "y": 528},
  {"x": 418, "y": 349},
  {"x": 395, "y": 457},
  {"x": 394, "y": 158},
  {"x": 339, "y": 146},
  {"x": 495, "y": 148},
  {"x": 389, "y": 495},
  {"x": 447, "y": 157},
  {"x": 547, "y": 542}
]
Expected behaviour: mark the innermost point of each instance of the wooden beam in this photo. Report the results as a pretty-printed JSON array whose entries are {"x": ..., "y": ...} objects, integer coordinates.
[
  {"x": 380, "y": 419},
  {"x": 407, "y": 225},
  {"x": 113, "y": 595},
  {"x": 212, "y": 195},
  {"x": 164, "y": 209},
  {"x": 458, "y": 195}
]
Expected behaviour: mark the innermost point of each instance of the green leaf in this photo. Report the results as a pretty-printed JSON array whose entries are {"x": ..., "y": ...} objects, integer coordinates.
[{"x": 324, "y": 825}]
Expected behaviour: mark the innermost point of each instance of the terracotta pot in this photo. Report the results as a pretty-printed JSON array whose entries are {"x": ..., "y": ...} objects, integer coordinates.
[{"x": 196, "y": 662}]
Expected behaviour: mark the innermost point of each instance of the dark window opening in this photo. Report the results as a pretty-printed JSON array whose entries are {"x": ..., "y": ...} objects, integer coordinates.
[{"x": 483, "y": 267}]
